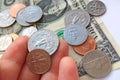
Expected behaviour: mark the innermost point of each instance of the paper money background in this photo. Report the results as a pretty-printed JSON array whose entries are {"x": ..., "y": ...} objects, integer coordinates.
[{"x": 54, "y": 18}]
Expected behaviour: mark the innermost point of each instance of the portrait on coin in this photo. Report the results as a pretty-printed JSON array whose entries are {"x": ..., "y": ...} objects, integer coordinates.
[{"x": 52, "y": 9}]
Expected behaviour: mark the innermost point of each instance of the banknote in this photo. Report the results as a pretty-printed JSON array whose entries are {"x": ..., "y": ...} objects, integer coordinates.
[
  {"x": 53, "y": 19},
  {"x": 5, "y": 4}
]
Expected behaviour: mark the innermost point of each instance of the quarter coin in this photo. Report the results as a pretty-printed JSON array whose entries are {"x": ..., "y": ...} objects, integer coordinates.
[
  {"x": 97, "y": 64},
  {"x": 32, "y": 13},
  {"x": 88, "y": 45},
  {"x": 16, "y": 8},
  {"x": 5, "y": 19},
  {"x": 96, "y": 8},
  {"x": 44, "y": 39},
  {"x": 77, "y": 16},
  {"x": 38, "y": 61},
  {"x": 75, "y": 34},
  {"x": 20, "y": 18}
]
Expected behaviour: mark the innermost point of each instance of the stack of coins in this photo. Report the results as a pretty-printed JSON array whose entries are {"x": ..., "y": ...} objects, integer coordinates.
[
  {"x": 96, "y": 63},
  {"x": 14, "y": 20},
  {"x": 29, "y": 15},
  {"x": 41, "y": 45},
  {"x": 76, "y": 33}
]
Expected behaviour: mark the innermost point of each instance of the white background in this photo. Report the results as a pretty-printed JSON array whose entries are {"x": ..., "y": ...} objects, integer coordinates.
[{"x": 111, "y": 20}]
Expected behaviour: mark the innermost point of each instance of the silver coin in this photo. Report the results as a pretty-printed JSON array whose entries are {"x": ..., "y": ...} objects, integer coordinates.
[
  {"x": 77, "y": 16},
  {"x": 5, "y": 41},
  {"x": 5, "y": 18},
  {"x": 20, "y": 18},
  {"x": 75, "y": 34},
  {"x": 28, "y": 31},
  {"x": 96, "y": 8},
  {"x": 32, "y": 13},
  {"x": 44, "y": 39},
  {"x": 15, "y": 28}
]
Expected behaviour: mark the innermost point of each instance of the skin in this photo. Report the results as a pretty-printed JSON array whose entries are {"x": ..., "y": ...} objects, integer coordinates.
[{"x": 13, "y": 63}]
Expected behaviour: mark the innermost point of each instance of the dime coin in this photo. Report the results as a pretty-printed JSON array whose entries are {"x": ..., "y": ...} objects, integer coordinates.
[
  {"x": 38, "y": 61},
  {"x": 20, "y": 18},
  {"x": 44, "y": 39},
  {"x": 5, "y": 19},
  {"x": 96, "y": 8},
  {"x": 97, "y": 64},
  {"x": 16, "y": 8},
  {"x": 32, "y": 14},
  {"x": 75, "y": 34},
  {"x": 15, "y": 28},
  {"x": 28, "y": 31},
  {"x": 5, "y": 41},
  {"x": 89, "y": 44},
  {"x": 77, "y": 16}
]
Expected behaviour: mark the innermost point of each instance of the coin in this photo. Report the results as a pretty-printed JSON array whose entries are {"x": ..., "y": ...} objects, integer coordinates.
[
  {"x": 32, "y": 13},
  {"x": 5, "y": 41},
  {"x": 15, "y": 28},
  {"x": 28, "y": 31},
  {"x": 97, "y": 64},
  {"x": 20, "y": 18},
  {"x": 75, "y": 34},
  {"x": 44, "y": 39},
  {"x": 14, "y": 36},
  {"x": 5, "y": 19},
  {"x": 38, "y": 61},
  {"x": 96, "y": 8},
  {"x": 89, "y": 44},
  {"x": 16, "y": 8},
  {"x": 77, "y": 16}
]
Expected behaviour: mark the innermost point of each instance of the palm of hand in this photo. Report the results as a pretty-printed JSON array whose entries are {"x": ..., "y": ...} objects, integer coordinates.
[{"x": 13, "y": 66}]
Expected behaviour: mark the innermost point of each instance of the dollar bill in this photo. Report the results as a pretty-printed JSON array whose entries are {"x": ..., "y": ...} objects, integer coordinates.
[
  {"x": 5, "y": 4},
  {"x": 54, "y": 20}
]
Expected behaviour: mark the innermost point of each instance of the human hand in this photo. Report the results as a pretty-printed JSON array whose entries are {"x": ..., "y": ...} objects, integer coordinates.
[{"x": 13, "y": 63}]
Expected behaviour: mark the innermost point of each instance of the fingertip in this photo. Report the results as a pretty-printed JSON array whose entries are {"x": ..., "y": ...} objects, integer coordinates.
[
  {"x": 22, "y": 37},
  {"x": 67, "y": 59},
  {"x": 67, "y": 68},
  {"x": 61, "y": 52}
]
